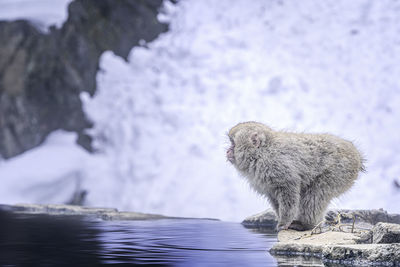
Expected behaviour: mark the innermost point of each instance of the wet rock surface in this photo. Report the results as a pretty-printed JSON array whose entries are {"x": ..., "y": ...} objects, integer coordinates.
[
  {"x": 363, "y": 254},
  {"x": 42, "y": 74},
  {"x": 266, "y": 219}
]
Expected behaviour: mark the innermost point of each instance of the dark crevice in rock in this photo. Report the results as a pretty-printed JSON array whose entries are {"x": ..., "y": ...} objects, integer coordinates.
[{"x": 42, "y": 75}]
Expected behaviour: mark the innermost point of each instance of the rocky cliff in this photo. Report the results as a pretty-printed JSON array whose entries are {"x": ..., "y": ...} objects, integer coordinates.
[{"x": 42, "y": 74}]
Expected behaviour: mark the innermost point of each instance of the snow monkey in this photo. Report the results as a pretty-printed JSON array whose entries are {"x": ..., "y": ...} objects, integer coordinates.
[{"x": 298, "y": 173}]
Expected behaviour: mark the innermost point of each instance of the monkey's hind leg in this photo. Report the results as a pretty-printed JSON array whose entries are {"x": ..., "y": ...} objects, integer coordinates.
[
  {"x": 288, "y": 203},
  {"x": 275, "y": 205},
  {"x": 313, "y": 203}
]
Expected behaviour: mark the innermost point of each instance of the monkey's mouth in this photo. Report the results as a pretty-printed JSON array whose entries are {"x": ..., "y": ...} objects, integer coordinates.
[{"x": 230, "y": 155}]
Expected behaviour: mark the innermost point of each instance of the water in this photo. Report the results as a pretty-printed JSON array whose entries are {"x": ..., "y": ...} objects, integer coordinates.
[{"x": 42, "y": 240}]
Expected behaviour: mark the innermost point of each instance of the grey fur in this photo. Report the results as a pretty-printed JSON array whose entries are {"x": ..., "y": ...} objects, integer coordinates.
[{"x": 298, "y": 173}]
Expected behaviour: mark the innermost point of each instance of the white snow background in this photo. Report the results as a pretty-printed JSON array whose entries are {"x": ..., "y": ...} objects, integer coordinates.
[{"x": 161, "y": 118}]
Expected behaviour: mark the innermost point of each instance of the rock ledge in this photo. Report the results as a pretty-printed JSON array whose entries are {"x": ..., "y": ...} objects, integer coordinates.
[
  {"x": 374, "y": 241},
  {"x": 107, "y": 214},
  {"x": 371, "y": 243}
]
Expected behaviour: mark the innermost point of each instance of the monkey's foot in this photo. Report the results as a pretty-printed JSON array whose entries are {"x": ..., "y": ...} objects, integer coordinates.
[
  {"x": 299, "y": 226},
  {"x": 280, "y": 227}
]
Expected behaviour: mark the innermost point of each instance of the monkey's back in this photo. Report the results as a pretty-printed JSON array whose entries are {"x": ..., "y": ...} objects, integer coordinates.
[{"x": 323, "y": 159}]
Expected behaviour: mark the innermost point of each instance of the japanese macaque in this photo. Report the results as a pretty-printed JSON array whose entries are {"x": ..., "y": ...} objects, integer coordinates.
[{"x": 298, "y": 173}]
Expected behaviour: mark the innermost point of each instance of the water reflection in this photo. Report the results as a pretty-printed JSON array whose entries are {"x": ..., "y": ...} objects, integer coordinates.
[{"x": 40, "y": 240}]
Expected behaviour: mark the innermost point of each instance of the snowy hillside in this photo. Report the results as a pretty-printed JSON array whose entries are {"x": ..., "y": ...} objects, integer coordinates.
[{"x": 161, "y": 118}]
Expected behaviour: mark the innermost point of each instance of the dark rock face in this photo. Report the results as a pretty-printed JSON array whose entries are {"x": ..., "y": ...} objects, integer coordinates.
[
  {"x": 386, "y": 233},
  {"x": 42, "y": 75}
]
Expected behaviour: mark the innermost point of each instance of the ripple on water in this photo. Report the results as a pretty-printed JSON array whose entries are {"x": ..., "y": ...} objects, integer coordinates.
[{"x": 185, "y": 242}]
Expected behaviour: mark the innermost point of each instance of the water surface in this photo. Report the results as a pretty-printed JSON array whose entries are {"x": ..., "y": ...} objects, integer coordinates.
[{"x": 42, "y": 240}]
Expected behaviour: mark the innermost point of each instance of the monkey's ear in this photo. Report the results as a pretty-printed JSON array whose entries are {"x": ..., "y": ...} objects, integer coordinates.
[{"x": 255, "y": 139}]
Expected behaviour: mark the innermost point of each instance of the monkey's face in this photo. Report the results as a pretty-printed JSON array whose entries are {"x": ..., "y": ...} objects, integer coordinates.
[
  {"x": 241, "y": 146},
  {"x": 247, "y": 140}
]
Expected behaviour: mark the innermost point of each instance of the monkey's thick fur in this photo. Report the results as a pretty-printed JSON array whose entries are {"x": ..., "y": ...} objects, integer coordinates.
[{"x": 298, "y": 173}]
